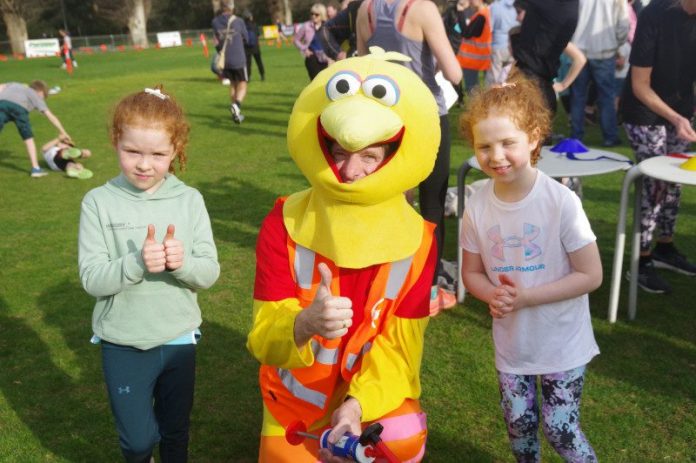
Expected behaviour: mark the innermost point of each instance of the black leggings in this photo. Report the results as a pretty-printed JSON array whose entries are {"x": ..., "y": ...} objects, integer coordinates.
[
  {"x": 314, "y": 66},
  {"x": 432, "y": 190},
  {"x": 256, "y": 53}
]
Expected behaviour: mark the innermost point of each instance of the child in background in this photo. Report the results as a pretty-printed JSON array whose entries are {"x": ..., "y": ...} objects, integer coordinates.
[
  {"x": 530, "y": 254},
  {"x": 16, "y": 101},
  {"x": 60, "y": 154},
  {"x": 146, "y": 317}
]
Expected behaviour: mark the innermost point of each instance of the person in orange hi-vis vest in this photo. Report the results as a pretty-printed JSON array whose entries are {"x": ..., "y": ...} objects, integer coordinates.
[
  {"x": 343, "y": 273},
  {"x": 474, "y": 53}
]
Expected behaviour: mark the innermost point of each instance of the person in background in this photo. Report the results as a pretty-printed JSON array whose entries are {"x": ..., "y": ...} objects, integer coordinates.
[
  {"x": 451, "y": 19},
  {"x": 308, "y": 42},
  {"x": 337, "y": 35},
  {"x": 602, "y": 28},
  {"x": 232, "y": 34},
  {"x": 474, "y": 53},
  {"x": 331, "y": 10},
  {"x": 415, "y": 29},
  {"x": 503, "y": 18},
  {"x": 657, "y": 105},
  {"x": 146, "y": 250},
  {"x": 67, "y": 43},
  {"x": 529, "y": 253},
  {"x": 252, "y": 47},
  {"x": 61, "y": 156},
  {"x": 546, "y": 28},
  {"x": 16, "y": 101}
]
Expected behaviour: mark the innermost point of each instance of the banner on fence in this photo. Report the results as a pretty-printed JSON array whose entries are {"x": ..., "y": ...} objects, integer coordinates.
[
  {"x": 270, "y": 32},
  {"x": 41, "y": 47},
  {"x": 169, "y": 39}
]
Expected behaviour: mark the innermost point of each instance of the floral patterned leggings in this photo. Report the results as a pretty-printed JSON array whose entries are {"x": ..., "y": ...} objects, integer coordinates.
[
  {"x": 660, "y": 200},
  {"x": 560, "y": 411}
]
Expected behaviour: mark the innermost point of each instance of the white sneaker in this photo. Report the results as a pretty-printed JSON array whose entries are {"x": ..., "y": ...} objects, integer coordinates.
[
  {"x": 237, "y": 116},
  {"x": 74, "y": 63},
  {"x": 226, "y": 82}
]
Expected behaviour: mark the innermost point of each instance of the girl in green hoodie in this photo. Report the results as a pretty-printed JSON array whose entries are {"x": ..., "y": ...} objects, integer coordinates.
[{"x": 145, "y": 248}]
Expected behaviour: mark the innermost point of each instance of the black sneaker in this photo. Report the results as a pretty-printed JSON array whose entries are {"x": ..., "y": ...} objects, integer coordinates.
[
  {"x": 649, "y": 280},
  {"x": 672, "y": 259}
]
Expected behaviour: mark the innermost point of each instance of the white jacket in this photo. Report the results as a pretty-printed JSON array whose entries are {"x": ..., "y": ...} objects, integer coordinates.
[{"x": 602, "y": 27}]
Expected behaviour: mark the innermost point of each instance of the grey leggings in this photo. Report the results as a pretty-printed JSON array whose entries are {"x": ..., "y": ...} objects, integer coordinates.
[{"x": 660, "y": 199}]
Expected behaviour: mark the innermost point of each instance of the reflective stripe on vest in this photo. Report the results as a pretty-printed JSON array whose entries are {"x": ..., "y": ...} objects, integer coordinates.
[
  {"x": 475, "y": 52},
  {"x": 323, "y": 354},
  {"x": 304, "y": 266},
  {"x": 351, "y": 358},
  {"x": 299, "y": 390}
]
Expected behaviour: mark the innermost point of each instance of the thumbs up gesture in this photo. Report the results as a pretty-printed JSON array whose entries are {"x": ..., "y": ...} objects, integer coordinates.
[
  {"x": 328, "y": 315},
  {"x": 153, "y": 252},
  {"x": 173, "y": 250}
]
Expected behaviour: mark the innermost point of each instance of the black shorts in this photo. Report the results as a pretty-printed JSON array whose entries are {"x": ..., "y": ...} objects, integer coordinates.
[{"x": 236, "y": 75}]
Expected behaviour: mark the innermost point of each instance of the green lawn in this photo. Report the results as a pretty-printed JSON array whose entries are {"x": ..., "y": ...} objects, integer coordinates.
[{"x": 640, "y": 394}]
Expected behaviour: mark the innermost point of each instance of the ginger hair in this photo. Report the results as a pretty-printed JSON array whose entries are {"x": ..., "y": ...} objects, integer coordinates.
[
  {"x": 146, "y": 110},
  {"x": 521, "y": 100}
]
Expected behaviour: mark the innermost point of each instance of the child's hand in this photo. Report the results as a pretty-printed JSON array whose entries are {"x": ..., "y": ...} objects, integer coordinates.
[
  {"x": 153, "y": 252},
  {"x": 173, "y": 250},
  {"x": 506, "y": 298}
]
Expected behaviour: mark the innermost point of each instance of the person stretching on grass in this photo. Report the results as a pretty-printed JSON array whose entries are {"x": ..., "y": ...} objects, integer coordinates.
[
  {"x": 60, "y": 154},
  {"x": 16, "y": 101},
  {"x": 146, "y": 282},
  {"x": 530, "y": 254}
]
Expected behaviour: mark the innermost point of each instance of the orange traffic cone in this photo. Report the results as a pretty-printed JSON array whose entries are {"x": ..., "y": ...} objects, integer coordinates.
[{"x": 205, "y": 45}]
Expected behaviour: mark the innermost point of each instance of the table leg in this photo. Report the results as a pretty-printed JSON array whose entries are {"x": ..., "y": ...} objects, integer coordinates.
[
  {"x": 461, "y": 183},
  {"x": 630, "y": 178},
  {"x": 635, "y": 252}
]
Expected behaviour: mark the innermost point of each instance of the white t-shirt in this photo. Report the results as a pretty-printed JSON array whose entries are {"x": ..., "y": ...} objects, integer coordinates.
[
  {"x": 529, "y": 241},
  {"x": 49, "y": 155}
]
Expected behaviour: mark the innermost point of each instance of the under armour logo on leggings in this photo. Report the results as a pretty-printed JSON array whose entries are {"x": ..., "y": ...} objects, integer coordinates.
[
  {"x": 531, "y": 250},
  {"x": 124, "y": 390}
]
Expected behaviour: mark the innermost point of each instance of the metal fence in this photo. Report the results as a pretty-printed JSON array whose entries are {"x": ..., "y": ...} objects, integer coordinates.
[{"x": 113, "y": 41}]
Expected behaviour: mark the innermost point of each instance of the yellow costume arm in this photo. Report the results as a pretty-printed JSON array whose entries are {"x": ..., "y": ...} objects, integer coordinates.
[
  {"x": 390, "y": 371},
  {"x": 272, "y": 340}
]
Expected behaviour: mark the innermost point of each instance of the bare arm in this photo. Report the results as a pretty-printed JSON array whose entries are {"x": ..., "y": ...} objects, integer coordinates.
[
  {"x": 435, "y": 36},
  {"x": 476, "y": 280},
  {"x": 578, "y": 62},
  {"x": 56, "y": 123},
  {"x": 50, "y": 144},
  {"x": 362, "y": 32},
  {"x": 640, "y": 78}
]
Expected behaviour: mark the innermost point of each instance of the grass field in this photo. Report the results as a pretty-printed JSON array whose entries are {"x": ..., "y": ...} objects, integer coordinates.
[{"x": 640, "y": 393}]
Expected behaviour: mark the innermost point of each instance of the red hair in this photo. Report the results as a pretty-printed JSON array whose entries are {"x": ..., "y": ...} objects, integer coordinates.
[
  {"x": 520, "y": 99},
  {"x": 155, "y": 109}
]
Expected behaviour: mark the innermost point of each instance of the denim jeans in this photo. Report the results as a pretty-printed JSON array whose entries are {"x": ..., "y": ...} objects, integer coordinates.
[{"x": 601, "y": 71}]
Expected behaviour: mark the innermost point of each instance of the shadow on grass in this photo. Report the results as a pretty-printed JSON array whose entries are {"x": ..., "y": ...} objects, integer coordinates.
[
  {"x": 220, "y": 120},
  {"x": 236, "y": 209},
  {"x": 5, "y": 162},
  {"x": 68, "y": 415},
  {"x": 453, "y": 451},
  {"x": 649, "y": 360}
]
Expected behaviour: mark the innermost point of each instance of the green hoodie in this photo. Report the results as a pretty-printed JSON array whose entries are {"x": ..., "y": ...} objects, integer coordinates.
[{"x": 134, "y": 307}]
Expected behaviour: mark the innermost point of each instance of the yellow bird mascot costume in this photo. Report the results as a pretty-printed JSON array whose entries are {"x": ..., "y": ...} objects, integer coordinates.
[{"x": 380, "y": 254}]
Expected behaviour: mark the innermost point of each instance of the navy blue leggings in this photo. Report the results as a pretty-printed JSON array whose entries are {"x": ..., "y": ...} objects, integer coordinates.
[{"x": 151, "y": 396}]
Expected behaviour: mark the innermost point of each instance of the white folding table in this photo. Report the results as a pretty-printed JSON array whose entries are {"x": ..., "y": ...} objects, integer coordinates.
[{"x": 662, "y": 168}]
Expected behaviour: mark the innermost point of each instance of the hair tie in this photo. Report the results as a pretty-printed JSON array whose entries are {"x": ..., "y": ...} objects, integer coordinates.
[{"x": 155, "y": 92}]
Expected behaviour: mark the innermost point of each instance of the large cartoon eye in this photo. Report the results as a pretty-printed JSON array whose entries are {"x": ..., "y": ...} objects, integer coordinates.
[
  {"x": 382, "y": 89},
  {"x": 341, "y": 85}
]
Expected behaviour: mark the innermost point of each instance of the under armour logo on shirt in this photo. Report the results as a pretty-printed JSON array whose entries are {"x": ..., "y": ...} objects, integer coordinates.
[
  {"x": 124, "y": 390},
  {"x": 530, "y": 232}
]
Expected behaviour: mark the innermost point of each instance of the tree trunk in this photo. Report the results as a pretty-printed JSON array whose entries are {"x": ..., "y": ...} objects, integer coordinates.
[
  {"x": 288, "y": 11},
  {"x": 137, "y": 24},
  {"x": 16, "y": 31},
  {"x": 216, "y": 6},
  {"x": 276, "y": 8}
]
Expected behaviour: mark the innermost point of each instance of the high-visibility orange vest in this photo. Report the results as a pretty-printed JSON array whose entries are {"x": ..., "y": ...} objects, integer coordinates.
[
  {"x": 475, "y": 52},
  {"x": 306, "y": 393}
]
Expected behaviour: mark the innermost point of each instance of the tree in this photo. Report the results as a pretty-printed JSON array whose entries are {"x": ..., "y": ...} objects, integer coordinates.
[
  {"x": 15, "y": 14},
  {"x": 130, "y": 13},
  {"x": 280, "y": 10}
]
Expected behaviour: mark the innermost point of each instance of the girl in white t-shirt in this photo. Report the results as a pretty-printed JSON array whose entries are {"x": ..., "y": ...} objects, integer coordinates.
[{"x": 530, "y": 254}]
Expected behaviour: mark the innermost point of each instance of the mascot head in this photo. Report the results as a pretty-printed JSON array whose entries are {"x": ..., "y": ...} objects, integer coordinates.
[{"x": 358, "y": 103}]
